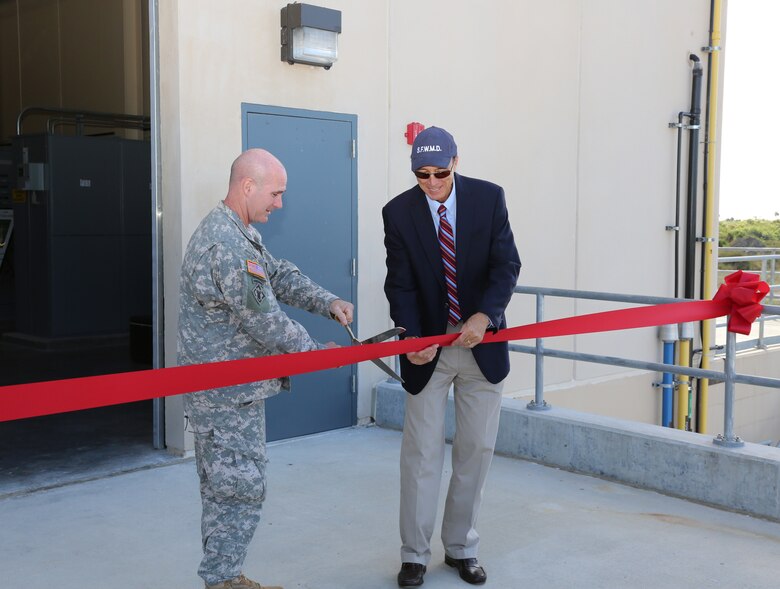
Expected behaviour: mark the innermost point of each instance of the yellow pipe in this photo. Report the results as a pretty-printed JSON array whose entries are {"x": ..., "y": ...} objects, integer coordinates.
[{"x": 709, "y": 259}]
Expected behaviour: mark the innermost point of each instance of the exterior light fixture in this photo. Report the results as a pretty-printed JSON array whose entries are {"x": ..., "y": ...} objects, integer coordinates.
[{"x": 310, "y": 35}]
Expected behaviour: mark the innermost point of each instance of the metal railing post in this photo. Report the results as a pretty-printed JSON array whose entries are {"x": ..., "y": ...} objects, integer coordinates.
[
  {"x": 727, "y": 438},
  {"x": 539, "y": 403},
  {"x": 760, "y": 343}
]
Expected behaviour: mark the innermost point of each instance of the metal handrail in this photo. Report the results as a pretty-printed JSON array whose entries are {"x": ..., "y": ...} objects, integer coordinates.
[
  {"x": 729, "y": 375},
  {"x": 733, "y": 248},
  {"x": 83, "y": 118},
  {"x": 729, "y": 259},
  {"x": 53, "y": 123},
  {"x": 597, "y": 296}
]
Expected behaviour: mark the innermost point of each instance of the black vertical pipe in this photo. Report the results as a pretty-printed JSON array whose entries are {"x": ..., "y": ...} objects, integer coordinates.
[
  {"x": 693, "y": 171},
  {"x": 676, "y": 227}
]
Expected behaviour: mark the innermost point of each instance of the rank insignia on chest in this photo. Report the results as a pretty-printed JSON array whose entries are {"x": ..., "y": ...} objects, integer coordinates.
[{"x": 255, "y": 269}]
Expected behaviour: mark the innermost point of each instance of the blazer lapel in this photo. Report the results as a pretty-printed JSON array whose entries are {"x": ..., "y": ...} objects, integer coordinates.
[
  {"x": 466, "y": 214},
  {"x": 426, "y": 230}
]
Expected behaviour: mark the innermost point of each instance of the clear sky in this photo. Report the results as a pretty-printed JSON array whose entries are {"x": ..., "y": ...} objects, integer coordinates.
[{"x": 750, "y": 141}]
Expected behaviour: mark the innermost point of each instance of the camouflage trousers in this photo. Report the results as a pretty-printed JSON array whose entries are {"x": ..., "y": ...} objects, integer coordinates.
[{"x": 230, "y": 457}]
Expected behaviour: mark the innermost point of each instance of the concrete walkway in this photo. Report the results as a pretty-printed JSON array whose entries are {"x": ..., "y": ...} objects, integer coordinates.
[{"x": 331, "y": 522}]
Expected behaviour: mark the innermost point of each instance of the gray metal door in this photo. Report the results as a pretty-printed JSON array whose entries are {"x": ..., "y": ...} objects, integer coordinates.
[{"x": 317, "y": 230}]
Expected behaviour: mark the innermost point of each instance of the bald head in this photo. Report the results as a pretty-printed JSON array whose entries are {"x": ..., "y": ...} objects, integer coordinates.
[
  {"x": 254, "y": 163},
  {"x": 257, "y": 181}
]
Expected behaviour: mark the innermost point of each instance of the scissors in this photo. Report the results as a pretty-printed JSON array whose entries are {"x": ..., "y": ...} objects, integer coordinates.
[{"x": 380, "y": 337}]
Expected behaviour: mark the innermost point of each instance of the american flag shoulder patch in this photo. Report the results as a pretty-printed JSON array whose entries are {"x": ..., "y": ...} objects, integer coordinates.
[{"x": 255, "y": 269}]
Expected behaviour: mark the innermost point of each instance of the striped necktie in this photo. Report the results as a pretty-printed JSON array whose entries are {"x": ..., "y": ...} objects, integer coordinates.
[{"x": 447, "y": 247}]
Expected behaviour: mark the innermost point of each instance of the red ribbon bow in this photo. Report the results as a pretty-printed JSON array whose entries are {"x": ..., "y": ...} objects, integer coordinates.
[{"x": 744, "y": 290}]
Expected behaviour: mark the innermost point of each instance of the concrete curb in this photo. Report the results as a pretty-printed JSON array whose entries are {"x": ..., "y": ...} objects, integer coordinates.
[{"x": 674, "y": 462}]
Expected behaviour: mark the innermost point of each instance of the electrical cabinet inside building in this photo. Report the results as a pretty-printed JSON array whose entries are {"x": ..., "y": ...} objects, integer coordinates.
[
  {"x": 82, "y": 234},
  {"x": 6, "y": 232}
]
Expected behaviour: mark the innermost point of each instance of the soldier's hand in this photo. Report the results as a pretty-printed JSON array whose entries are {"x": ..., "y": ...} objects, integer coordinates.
[
  {"x": 331, "y": 345},
  {"x": 341, "y": 311}
]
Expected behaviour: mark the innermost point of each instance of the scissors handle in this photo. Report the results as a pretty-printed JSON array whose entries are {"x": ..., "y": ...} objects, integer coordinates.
[{"x": 351, "y": 335}]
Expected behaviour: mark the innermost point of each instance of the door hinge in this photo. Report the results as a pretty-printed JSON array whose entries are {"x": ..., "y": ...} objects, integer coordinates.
[
  {"x": 353, "y": 269},
  {"x": 354, "y": 149}
]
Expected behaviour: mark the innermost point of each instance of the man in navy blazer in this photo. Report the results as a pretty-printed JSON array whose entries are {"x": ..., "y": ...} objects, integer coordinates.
[{"x": 451, "y": 267}]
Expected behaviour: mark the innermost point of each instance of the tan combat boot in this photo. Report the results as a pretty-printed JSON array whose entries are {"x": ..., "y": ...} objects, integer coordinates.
[{"x": 241, "y": 582}]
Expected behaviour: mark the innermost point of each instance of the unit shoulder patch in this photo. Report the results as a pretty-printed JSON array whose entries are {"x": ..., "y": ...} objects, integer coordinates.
[{"x": 258, "y": 295}]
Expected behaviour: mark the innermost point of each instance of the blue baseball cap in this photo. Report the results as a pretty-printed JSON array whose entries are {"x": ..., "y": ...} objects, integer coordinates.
[{"x": 433, "y": 147}]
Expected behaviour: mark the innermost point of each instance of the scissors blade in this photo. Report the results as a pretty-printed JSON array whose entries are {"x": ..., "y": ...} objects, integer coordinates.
[
  {"x": 380, "y": 337},
  {"x": 375, "y": 339},
  {"x": 389, "y": 371}
]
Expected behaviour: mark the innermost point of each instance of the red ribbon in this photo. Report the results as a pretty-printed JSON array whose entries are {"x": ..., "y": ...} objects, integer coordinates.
[
  {"x": 739, "y": 297},
  {"x": 745, "y": 290}
]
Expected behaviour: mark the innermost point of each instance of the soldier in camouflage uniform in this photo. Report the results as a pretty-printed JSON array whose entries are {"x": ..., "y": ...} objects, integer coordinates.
[{"x": 231, "y": 287}]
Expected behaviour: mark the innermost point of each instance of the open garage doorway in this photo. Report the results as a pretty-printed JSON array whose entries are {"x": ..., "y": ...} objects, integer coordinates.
[{"x": 77, "y": 273}]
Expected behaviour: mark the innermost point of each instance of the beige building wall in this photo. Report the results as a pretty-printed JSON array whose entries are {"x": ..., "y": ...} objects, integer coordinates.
[
  {"x": 565, "y": 103},
  {"x": 215, "y": 57},
  {"x": 623, "y": 396}
]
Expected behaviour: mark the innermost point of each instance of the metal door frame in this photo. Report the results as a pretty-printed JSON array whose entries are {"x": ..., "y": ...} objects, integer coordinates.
[{"x": 158, "y": 318}]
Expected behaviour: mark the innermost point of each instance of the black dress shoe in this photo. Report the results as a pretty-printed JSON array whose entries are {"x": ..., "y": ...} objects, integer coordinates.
[
  {"x": 411, "y": 574},
  {"x": 468, "y": 569}
]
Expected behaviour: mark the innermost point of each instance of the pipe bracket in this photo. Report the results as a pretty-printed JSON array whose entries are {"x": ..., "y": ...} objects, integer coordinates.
[
  {"x": 706, "y": 239},
  {"x": 711, "y": 48},
  {"x": 682, "y": 126}
]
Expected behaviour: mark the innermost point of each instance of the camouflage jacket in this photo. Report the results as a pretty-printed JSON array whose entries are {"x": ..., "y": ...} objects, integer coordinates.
[{"x": 230, "y": 290}]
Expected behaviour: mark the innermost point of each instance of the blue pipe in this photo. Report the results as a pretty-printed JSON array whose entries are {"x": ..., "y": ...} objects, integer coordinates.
[{"x": 668, "y": 386}]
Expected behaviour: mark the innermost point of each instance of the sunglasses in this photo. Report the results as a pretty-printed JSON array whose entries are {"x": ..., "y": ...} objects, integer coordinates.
[{"x": 439, "y": 175}]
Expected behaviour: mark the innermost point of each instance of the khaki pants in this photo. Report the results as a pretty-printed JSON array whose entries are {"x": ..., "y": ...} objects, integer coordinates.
[{"x": 477, "y": 410}]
